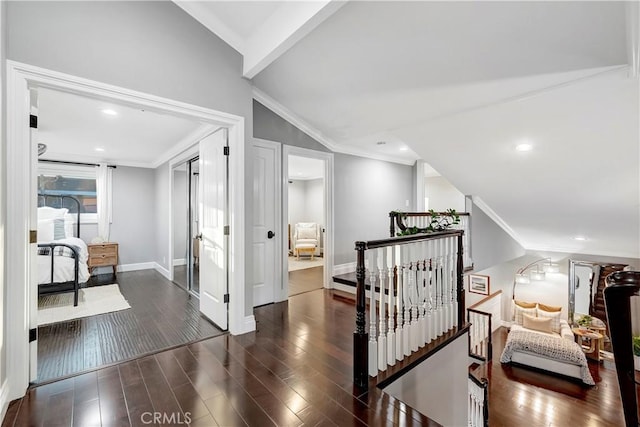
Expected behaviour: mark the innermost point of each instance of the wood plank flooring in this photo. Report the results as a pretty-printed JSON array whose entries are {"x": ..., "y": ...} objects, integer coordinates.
[
  {"x": 295, "y": 369},
  {"x": 162, "y": 315},
  {"x": 305, "y": 280}
]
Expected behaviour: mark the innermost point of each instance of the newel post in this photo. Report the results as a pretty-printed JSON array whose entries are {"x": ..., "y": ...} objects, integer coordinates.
[
  {"x": 460, "y": 281},
  {"x": 360, "y": 336},
  {"x": 392, "y": 226},
  {"x": 621, "y": 286}
]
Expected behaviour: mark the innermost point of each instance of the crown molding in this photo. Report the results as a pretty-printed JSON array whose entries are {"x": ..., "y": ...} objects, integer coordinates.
[{"x": 314, "y": 133}]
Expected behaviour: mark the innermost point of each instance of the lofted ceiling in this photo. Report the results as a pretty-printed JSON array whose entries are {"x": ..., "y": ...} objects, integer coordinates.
[
  {"x": 75, "y": 128},
  {"x": 460, "y": 84}
]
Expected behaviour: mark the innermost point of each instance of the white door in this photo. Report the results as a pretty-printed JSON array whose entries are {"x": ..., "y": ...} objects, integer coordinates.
[
  {"x": 266, "y": 205},
  {"x": 213, "y": 188}
]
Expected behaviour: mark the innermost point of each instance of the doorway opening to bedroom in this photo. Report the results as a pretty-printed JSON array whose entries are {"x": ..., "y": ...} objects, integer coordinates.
[
  {"x": 102, "y": 293},
  {"x": 306, "y": 223}
]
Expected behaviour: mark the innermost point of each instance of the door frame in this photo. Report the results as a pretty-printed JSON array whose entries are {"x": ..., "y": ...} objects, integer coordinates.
[
  {"x": 278, "y": 177},
  {"x": 328, "y": 213},
  {"x": 20, "y": 163}
]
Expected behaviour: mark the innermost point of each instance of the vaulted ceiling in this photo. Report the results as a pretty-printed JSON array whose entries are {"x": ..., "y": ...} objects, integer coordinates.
[{"x": 460, "y": 85}]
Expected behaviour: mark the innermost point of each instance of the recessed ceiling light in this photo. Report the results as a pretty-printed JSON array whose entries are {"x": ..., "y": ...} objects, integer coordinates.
[
  {"x": 381, "y": 142},
  {"x": 524, "y": 147},
  {"x": 99, "y": 149},
  {"x": 580, "y": 238},
  {"x": 404, "y": 148},
  {"x": 109, "y": 112}
]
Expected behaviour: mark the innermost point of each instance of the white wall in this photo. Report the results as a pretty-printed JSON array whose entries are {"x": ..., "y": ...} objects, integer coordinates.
[
  {"x": 442, "y": 195},
  {"x": 297, "y": 207},
  {"x": 161, "y": 181},
  {"x": 438, "y": 387},
  {"x": 3, "y": 188}
]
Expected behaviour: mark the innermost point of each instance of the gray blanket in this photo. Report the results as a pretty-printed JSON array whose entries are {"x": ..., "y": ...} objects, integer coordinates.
[{"x": 556, "y": 348}]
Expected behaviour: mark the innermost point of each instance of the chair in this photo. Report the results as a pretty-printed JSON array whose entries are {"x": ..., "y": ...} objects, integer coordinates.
[{"x": 306, "y": 238}]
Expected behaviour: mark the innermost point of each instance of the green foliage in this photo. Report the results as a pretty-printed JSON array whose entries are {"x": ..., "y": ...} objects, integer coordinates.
[
  {"x": 585, "y": 321},
  {"x": 437, "y": 222},
  {"x": 636, "y": 345}
]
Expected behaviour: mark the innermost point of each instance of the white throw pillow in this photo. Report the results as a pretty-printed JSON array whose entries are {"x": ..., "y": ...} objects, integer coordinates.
[
  {"x": 520, "y": 311},
  {"x": 45, "y": 230},
  {"x": 70, "y": 225},
  {"x": 47, "y": 212},
  {"x": 554, "y": 316},
  {"x": 307, "y": 232}
]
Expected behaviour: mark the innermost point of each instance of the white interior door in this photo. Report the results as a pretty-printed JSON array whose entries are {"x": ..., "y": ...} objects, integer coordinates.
[
  {"x": 266, "y": 204},
  {"x": 213, "y": 188}
]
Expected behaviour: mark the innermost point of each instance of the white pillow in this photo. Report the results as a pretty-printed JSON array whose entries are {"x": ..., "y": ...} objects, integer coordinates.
[
  {"x": 554, "y": 316},
  {"x": 45, "y": 230},
  {"x": 70, "y": 225},
  {"x": 47, "y": 212},
  {"x": 520, "y": 311},
  {"x": 305, "y": 232}
]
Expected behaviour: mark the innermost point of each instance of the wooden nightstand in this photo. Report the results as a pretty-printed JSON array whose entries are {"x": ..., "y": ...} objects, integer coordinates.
[{"x": 103, "y": 255}]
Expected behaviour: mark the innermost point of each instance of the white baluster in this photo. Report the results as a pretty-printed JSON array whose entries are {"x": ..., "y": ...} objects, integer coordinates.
[
  {"x": 429, "y": 293},
  {"x": 399, "y": 304},
  {"x": 424, "y": 325},
  {"x": 406, "y": 347},
  {"x": 373, "y": 343},
  {"x": 454, "y": 275},
  {"x": 446, "y": 284},
  {"x": 391, "y": 336},
  {"x": 438, "y": 276},
  {"x": 414, "y": 297},
  {"x": 382, "y": 333}
]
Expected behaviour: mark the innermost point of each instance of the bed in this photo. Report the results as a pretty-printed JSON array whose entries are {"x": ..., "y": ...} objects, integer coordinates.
[
  {"x": 544, "y": 341},
  {"x": 62, "y": 256}
]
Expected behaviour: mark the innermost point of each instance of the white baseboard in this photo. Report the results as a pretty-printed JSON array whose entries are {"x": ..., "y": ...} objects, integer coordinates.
[
  {"x": 137, "y": 266},
  {"x": 344, "y": 288},
  {"x": 4, "y": 399},
  {"x": 179, "y": 261},
  {"x": 506, "y": 324},
  {"x": 248, "y": 325},
  {"x": 160, "y": 269},
  {"x": 349, "y": 267}
]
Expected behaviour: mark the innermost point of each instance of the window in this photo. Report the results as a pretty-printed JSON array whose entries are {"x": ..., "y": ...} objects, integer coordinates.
[{"x": 69, "y": 180}]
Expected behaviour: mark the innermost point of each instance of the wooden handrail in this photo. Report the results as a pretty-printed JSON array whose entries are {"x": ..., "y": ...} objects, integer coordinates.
[
  {"x": 485, "y": 299},
  {"x": 372, "y": 244},
  {"x": 489, "y": 337}
]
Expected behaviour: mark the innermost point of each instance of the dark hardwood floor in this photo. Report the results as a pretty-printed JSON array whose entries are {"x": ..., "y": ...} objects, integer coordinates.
[
  {"x": 295, "y": 369},
  {"x": 520, "y": 396},
  {"x": 305, "y": 280},
  {"x": 162, "y": 315}
]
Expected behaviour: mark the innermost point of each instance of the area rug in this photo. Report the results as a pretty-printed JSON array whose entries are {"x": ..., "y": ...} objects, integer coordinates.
[
  {"x": 91, "y": 301},
  {"x": 304, "y": 262}
]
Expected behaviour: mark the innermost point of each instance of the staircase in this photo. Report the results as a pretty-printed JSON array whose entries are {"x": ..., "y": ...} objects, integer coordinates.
[{"x": 597, "y": 309}]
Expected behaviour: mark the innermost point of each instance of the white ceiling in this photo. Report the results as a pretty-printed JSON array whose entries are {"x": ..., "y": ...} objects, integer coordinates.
[
  {"x": 73, "y": 127},
  {"x": 461, "y": 83},
  {"x": 304, "y": 168}
]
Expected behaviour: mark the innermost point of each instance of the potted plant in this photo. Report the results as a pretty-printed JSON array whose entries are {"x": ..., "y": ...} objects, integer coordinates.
[
  {"x": 636, "y": 352},
  {"x": 585, "y": 321}
]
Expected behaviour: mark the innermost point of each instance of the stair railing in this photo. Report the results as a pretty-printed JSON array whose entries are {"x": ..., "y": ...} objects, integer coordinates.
[
  {"x": 480, "y": 345},
  {"x": 478, "y": 405},
  {"x": 401, "y": 221},
  {"x": 416, "y": 295}
]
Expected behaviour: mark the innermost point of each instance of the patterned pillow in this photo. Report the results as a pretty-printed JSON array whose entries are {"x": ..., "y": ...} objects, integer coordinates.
[
  {"x": 521, "y": 311},
  {"x": 536, "y": 323},
  {"x": 554, "y": 316}
]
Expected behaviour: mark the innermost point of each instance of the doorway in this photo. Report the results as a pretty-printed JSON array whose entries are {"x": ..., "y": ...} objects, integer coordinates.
[
  {"x": 306, "y": 224},
  {"x": 21, "y": 162},
  {"x": 186, "y": 226}
]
